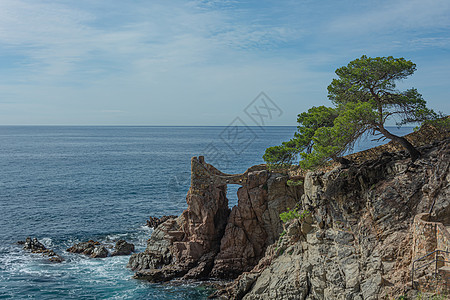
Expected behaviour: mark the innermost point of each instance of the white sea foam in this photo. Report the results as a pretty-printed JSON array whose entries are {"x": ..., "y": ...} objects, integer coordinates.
[{"x": 47, "y": 242}]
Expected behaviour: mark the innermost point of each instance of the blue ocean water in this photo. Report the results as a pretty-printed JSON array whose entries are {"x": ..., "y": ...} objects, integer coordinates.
[{"x": 70, "y": 184}]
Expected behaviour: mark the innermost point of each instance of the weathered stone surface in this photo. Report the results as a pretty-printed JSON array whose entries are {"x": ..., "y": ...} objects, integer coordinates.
[
  {"x": 122, "y": 247},
  {"x": 99, "y": 252},
  {"x": 253, "y": 224},
  {"x": 85, "y": 247}
]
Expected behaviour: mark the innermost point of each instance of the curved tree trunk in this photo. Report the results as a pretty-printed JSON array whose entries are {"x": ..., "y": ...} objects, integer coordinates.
[
  {"x": 413, "y": 152},
  {"x": 342, "y": 160}
]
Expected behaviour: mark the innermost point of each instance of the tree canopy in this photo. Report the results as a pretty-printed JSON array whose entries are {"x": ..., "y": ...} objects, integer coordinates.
[
  {"x": 309, "y": 122},
  {"x": 364, "y": 97}
]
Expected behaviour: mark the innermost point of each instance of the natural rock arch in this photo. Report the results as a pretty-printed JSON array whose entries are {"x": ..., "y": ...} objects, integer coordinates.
[{"x": 209, "y": 239}]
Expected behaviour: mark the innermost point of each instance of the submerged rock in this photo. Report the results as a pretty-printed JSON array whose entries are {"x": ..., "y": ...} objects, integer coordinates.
[{"x": 33, "y": 245}]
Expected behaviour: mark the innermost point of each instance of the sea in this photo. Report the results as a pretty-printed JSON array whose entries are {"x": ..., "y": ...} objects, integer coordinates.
[{"x": 70, "y": 184}]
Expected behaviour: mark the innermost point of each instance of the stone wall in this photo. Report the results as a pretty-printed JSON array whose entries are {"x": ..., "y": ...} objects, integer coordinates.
[
  {"x": 429, "y": 236},
  {"x": 424, "y": 236},
  {"x": 443, "y": 242}
]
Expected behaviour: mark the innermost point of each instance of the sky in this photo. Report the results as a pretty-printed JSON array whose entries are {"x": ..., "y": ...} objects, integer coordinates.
[{"x": 145, "y": 62}]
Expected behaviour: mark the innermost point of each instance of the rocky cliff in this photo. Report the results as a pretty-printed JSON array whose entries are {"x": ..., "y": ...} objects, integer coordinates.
[
  {"x": 356, "y": 238},
  {"x": 209, "y": 239},
  {"x": 360, "y": 240}
]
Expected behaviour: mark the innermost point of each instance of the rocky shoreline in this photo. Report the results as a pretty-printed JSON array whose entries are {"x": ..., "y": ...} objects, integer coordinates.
[
  {"x": 91, "y": 248},
  {"x": 34, "y": 246},
  {"x": 209, "y": 240},
  {"x": 95, "y": 249},
  {"x": 353, "y": 239},
  {"x": 345, "y": 232}
]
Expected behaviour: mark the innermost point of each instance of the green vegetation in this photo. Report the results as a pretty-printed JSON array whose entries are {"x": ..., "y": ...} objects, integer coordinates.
[
  {"x": 421, "y": 296},
  {"x": 309, "y": 122},
  {"x": 443, "y": 123},
  {"x": 364, "y": 97},
  {"x": 291, "y": 182},
  {"x": 289, "y": 215},
  {"x": 293, "y": 214}
]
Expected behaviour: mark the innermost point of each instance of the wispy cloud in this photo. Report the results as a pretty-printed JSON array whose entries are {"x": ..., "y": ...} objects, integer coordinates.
[
  {"x": 168, "y": 57},
  {"x": 59, "y": 40},
  {"x": 394, "y": 16}
]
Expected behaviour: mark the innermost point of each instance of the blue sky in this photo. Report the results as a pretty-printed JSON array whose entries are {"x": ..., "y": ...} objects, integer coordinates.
[{"x": 91, "y": 62}]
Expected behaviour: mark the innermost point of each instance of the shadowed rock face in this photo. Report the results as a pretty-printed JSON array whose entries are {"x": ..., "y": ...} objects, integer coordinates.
[{"x": 209, "y": 240}]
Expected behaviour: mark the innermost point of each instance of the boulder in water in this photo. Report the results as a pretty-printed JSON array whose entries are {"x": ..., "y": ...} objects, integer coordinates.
[
  {"x": 92, "y": 248},
  {"x": 123, "y": 248},
  {"x": 99, "y": 252},
  {"x": 33, "y": 245}
]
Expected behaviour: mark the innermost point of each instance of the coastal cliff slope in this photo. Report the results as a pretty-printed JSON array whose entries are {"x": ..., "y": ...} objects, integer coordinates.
[
  {"x": 365, "y": 226},
  {"x": 359, "y": 233}
]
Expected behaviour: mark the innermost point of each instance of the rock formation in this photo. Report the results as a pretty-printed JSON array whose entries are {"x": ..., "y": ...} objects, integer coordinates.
[
  {"x": 35, "y": 246},
  {"x": 154, "y": 222},
  {"x": 358, "y": 230},
  {"x": 362, "y": 238},
  {"x": 122, "y": 247},
  {"x": 95, "y": 249},
  {"x": 91, "y": 248},
  {"x": 209, "y": 240}
]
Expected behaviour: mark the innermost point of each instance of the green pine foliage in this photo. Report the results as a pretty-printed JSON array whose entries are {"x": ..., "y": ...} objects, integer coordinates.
[{"x": 364, "y": 97}]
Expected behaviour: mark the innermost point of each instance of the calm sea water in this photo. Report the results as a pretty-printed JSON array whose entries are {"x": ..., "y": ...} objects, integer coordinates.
[{"x": 69, "y": 184}]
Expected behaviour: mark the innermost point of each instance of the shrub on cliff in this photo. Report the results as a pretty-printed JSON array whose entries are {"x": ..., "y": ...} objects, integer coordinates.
[{"x": 364, "y": 97}]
